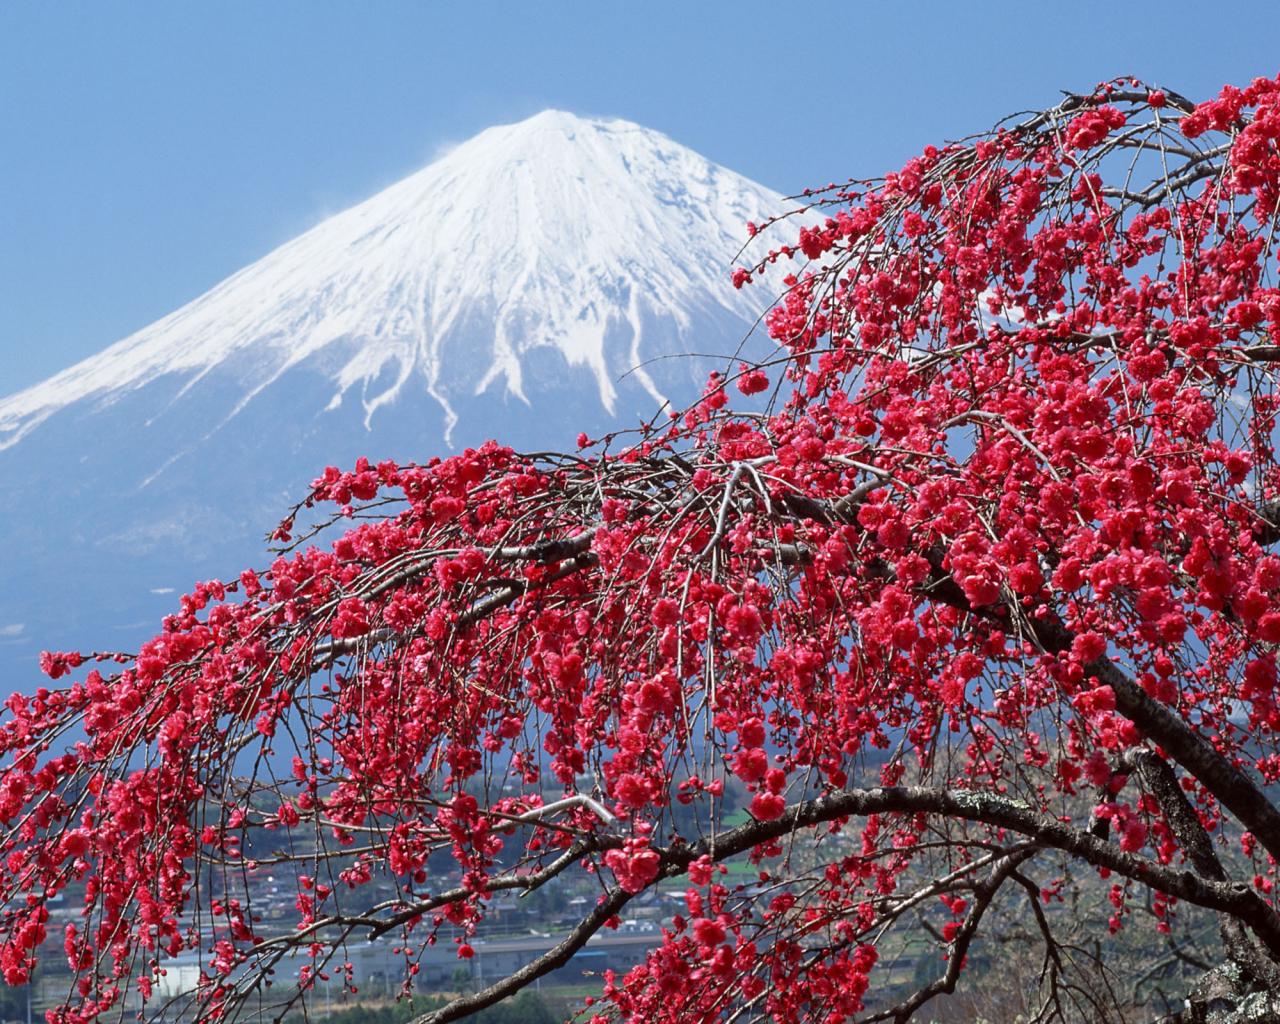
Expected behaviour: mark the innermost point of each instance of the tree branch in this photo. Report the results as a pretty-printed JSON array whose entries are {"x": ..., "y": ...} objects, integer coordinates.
[
  {"x": 556, "y": 957},
  {"x": 983, "y": 894},
  {"x": 1158, "y": 778}
]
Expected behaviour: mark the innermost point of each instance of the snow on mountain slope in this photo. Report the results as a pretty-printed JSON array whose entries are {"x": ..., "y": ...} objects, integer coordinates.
[
  {"x": 505, "y": 291},
  {"x": 553, "y": 232}
]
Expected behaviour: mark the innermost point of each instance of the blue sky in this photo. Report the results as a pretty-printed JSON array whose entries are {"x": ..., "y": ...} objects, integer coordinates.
[{"x": 147, "y": 150}]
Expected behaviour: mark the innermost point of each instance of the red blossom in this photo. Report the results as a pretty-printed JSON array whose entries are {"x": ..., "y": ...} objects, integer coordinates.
[{"x": 1000, "y": 554}]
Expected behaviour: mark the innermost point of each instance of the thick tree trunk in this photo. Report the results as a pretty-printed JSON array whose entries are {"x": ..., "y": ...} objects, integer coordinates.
[{"x": 1228, "y": 994}]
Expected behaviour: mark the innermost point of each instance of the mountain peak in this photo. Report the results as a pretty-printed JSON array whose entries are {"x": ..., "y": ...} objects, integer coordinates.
[
  {"x": 565, "y": 121},
  {"x": 563, "y": 233}
]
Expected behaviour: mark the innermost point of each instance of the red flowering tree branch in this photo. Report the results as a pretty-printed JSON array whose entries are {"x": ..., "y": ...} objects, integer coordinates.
[{"x": 971, "y": 601}]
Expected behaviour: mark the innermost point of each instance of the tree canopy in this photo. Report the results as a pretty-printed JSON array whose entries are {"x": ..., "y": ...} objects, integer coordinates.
[{"x": 970, "y": 587}]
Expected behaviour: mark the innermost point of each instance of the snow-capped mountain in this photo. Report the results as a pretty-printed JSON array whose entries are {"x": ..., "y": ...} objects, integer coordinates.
[
  {"x": 533, "y": 282},
  {"x": 556, "y": 233}
]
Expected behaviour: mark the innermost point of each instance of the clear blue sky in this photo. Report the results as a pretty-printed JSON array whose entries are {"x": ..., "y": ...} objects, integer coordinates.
[{"x": 147, "y": 150}]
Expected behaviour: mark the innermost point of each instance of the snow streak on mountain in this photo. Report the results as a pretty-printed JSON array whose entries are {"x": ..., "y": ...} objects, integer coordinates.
[{"x": 537, "y": 280}]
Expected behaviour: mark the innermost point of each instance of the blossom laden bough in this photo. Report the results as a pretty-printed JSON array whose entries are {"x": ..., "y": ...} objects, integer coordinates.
[{"x": 987, "y": 586}]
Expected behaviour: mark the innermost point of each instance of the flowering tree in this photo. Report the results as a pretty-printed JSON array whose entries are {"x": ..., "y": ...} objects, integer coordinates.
[{"x": 980, "y": 608}]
